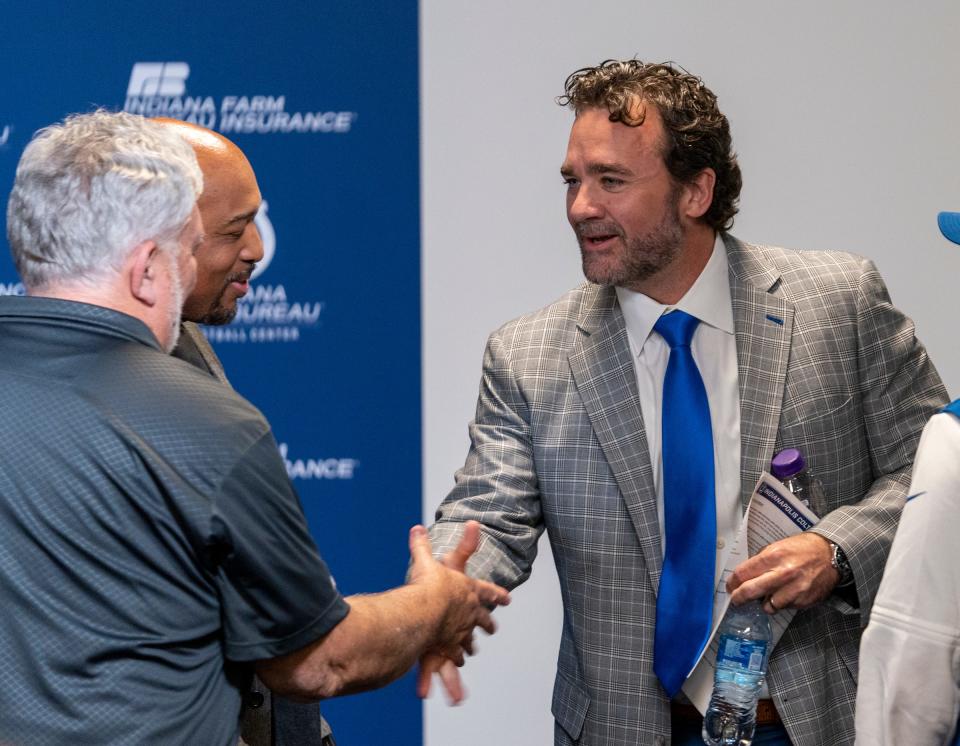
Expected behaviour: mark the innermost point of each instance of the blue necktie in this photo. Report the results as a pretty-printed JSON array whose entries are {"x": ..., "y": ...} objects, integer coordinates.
[{"x": 685, "y": 598}]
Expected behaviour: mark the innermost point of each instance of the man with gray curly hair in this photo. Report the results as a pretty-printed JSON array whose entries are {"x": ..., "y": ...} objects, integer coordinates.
[
  {"x": 632, "y": 418},
  {"x": 154, "y": 551}
]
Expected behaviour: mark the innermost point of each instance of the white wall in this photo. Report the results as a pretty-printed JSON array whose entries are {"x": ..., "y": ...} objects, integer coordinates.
[{"x": 845, "y": 116}]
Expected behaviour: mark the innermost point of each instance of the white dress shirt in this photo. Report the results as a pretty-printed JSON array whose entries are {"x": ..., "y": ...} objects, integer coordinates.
[{"x": 714, "y": 349}]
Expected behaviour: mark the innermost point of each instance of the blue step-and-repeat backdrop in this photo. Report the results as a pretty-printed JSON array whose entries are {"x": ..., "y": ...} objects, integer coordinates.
[{"x": 323, "y": 98}]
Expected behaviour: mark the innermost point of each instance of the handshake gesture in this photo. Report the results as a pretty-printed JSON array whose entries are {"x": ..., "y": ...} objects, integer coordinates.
[
  {"x": 470, "y": 603},
  {"x": 431, "y": 618}
]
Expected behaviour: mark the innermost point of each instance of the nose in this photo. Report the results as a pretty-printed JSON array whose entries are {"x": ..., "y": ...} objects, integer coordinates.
[
  {"x": 583, "y": 205},
  {"x": 253, "y": 246}
]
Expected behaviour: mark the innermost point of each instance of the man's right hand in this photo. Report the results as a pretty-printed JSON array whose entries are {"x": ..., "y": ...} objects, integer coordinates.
[
  {"x": 435, "y": 661},
  {"x": 468, "y": 601},
  {"x": 433, "y": 615}
]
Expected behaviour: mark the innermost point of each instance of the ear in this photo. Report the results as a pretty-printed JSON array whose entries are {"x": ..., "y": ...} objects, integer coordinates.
[
  {"x": 143, "y": 266},
  {"x": 697, "y": 195}
]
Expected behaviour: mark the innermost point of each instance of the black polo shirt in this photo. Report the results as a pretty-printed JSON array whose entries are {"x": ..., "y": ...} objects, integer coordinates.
[{"x": 149, "y": 536}]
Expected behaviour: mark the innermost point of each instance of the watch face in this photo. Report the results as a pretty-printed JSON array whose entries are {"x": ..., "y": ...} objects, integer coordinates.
[{"x": 842, "y": 565}]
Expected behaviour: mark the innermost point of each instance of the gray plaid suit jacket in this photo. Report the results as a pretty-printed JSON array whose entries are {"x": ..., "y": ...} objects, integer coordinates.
[{"x": 826, "y": 364}]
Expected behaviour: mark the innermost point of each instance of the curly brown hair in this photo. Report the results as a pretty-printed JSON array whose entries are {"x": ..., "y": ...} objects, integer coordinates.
[{"x": 698, "y": 134}]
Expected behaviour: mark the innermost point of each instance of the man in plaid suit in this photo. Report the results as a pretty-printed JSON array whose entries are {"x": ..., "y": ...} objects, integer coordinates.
[{"x": 796, "y": 349}]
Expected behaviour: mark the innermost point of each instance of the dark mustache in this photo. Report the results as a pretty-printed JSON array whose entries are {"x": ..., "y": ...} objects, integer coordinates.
[
  {"x": 592, "y": 229},
  {"x": 243, "y": 276}
]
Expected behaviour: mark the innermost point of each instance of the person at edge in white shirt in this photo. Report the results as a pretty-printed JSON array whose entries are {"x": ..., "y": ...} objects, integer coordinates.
[{"x": 909, "y": 684}]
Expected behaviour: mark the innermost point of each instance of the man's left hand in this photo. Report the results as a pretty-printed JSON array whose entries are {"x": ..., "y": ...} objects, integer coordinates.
[{"x": 793, "y": 572}]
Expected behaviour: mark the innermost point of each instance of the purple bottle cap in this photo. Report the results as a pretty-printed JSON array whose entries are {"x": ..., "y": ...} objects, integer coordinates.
[{"x": 787, "y": 463}]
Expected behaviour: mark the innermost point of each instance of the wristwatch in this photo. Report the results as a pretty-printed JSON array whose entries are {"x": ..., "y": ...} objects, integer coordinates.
[{"x": 841, "y": 564}]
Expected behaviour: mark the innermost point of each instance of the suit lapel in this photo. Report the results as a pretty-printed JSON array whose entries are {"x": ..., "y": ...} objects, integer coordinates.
[
  {"x": 192, "y": 337},
  {"x": 602, "y": 367},
  {"x": 763, "y": 324}
]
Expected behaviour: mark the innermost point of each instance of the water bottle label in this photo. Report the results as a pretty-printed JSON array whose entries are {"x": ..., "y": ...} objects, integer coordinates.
[{"x": 747, "y": 655}]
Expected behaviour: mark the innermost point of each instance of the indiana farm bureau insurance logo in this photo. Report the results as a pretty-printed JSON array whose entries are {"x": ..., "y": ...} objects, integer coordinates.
[
  {"x": 318, "y": 468},
  {"x": 159, "y": 89}
]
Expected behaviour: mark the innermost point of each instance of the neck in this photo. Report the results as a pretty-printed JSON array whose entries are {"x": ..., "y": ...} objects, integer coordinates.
[
  {"x": 109, "y": 294},
  {"x": 106, "y": 294},
  {"x": 671, "y": 283}
]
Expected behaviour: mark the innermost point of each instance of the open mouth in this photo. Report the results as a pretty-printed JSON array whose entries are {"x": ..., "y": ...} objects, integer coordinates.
[
  {"x": 597, "y": 242},
  {"x": 595, "y": 236},
  {"x": 240, "y": 284}
]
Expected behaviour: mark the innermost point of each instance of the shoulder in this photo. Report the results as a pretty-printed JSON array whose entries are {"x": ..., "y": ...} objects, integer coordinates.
[
  {"x": 826, "y": 283},
  {"x": 587, "y": 304},
  {"x": 938, "y": 456},
  {"x": 941, "y": 437},
  {"x": 160, "y": 393},
  {"x": 799, "y": 266}
]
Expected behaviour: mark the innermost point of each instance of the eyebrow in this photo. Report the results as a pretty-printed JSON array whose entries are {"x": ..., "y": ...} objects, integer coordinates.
[
  {"x": 596, "y": 169},
  {"x": 244, "y": 218}
]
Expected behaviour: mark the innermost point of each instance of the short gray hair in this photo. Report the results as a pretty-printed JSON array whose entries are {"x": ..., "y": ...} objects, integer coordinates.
[{"x": 91, "y": 189}]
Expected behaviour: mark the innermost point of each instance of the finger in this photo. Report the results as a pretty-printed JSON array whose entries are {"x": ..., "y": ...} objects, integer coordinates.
[
  {"x": 450, "y": 678},
  {"x": 454, "y": 654},
  {"x": 428, "y": 664},
  {"x": 761, "y": 587},
  {"x": 491, "y": 594},
  {"x": 485, "y": 622},
  {"x": 456, "y": 558},
  {"x": 468, "y": 644},
  {"x": 745, "y": 572},
  {"x": 420, "y": 545},
  {"x": 770, "y": 606}
]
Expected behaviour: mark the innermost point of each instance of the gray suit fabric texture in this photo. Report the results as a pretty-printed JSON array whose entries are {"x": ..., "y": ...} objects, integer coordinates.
[
  {"x": 826, "y": 364},
  {"x": 267, "y": 720},
  {"x": 152, "y": 540}
]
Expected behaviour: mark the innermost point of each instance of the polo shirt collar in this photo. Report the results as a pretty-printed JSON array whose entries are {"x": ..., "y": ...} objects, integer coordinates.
[{"x": 95, "y": 318}]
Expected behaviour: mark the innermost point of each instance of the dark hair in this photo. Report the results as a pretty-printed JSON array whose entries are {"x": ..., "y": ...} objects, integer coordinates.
[{"x": 698, "y": 134}]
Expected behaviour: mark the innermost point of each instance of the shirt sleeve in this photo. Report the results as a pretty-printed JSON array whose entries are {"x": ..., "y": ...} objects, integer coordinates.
[
  {"x": 910, "y": 653},
  {"x": 276, "y": 592}
]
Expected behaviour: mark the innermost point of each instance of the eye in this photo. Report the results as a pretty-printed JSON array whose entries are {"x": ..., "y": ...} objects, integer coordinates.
[
  {"x": 611, "y": 181},
  {"x": 569, "y": 181}
]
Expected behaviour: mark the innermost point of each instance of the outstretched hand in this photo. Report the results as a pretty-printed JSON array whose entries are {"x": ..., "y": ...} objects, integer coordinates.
[{"x": 437, "y": 662}]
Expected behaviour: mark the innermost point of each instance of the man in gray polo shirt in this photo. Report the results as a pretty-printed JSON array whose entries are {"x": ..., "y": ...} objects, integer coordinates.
[{"x": 153, "y": 546}]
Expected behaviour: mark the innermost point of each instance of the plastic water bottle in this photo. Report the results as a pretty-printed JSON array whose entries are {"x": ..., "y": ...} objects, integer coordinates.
[
  {"x": 790, "y": 468},
  {"x": 745, "y": 635}
]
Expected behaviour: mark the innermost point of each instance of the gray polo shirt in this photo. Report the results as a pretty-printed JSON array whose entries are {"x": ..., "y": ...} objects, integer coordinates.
[{"x": 149, "y": 538}]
